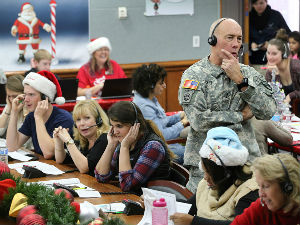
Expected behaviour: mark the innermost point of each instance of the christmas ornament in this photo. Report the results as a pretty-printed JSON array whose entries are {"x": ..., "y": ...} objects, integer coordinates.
[
  {"x": 4, "y": 168},
  {"x": 68, "y": 195},
  {"x": 4, "y": 185},
  {"x": 27, "y": 25},
  {"x": 30, "y": 209},
  {"x": 33, "y": 219},
  {"x": 87, "y": 212},
  {"x": 76, "y": 206},
  {"x": 98, "y": 221},
  {"x": 19, "y": 202}
]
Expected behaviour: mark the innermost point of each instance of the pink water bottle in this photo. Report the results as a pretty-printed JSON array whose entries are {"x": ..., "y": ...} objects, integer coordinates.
[{"x": 160, "y": 212}]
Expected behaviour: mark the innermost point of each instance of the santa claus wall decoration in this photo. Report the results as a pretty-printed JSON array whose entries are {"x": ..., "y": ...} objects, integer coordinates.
[{"x": 27, "y": 26}]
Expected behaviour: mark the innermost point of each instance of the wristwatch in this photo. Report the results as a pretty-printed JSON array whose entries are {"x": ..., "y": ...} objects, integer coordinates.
[
  {"x": 70, "y": 141},
  {"x": 243, "y": 84}
]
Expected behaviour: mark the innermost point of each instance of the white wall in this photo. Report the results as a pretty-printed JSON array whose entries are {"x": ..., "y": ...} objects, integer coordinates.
[{"x": 289, "y": 10}]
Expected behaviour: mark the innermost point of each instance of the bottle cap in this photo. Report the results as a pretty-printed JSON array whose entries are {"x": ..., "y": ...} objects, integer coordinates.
[{"x": 160, "y": 203}]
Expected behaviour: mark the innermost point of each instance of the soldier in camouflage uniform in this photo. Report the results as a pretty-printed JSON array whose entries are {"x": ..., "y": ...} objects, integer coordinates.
[{"x": 219, "y": 91}]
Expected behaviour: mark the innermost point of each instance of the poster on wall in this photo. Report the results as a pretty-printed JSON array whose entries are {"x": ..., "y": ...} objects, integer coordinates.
[
  {"x": 169, "y": 7},
  {"x": 58, "y": 26}
]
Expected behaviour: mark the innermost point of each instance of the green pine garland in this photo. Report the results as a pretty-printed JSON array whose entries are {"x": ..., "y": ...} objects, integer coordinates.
[{"x": 55, "y": 209}]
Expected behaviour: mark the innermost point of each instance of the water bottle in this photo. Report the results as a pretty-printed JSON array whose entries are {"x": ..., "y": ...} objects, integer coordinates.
[
  {"x": 88, "y": 94},
  {"x": 160, "y": 212},
  {"x": 286, "y": 117},
  {"x": 4, "y": 155}
]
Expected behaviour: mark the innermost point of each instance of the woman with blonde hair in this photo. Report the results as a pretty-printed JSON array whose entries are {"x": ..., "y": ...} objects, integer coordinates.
[
  {"x": 278, "y": 178},
  {"x": 90, "y": 131},
  {"x": 93, "y": 74},
  {"x": 136, "y": 150}
]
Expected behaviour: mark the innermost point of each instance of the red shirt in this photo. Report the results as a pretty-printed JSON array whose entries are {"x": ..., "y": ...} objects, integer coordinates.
[
  {"x": 86, "y": 80},
  {"x": 261, "y": 215}
]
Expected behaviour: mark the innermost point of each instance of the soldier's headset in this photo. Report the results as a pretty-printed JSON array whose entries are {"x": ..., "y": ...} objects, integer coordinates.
[
  {"x": 286, "y": 186},
  {"x": 98, "y": 120},
  {"x": 136, "y": 114},
  {"x": 227, "y": 172},
  {"x": 212, "y": 40}
]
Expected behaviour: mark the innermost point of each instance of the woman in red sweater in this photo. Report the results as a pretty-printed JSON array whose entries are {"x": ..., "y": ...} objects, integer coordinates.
[
  {"x": 278, "y": 178},
  {"x": 92, "y": 75}
]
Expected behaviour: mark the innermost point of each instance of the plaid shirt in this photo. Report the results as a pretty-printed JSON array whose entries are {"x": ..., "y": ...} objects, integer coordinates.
[{"x": 150, "y": 158}]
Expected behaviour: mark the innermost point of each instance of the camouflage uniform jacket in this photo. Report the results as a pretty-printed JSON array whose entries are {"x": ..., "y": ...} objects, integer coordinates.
[{"x": 214, "y": 100}]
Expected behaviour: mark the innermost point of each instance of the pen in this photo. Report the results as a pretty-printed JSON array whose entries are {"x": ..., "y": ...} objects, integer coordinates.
[{"x": 79, "y": 188}]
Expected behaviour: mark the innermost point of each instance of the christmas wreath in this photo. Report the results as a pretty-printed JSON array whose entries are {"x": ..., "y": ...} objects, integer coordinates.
[{"x": 47, "y": 206}]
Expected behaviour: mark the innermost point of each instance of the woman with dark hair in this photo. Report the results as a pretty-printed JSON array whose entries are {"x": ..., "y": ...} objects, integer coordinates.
[
  {"x": 294, "y": 43},
  {"x": 91, "y": 76},
  {"x": 148, "y": 83},
  {"x": 136, "y": 150},
  {"x": 227, "y": 187},
  {"x": 287, "y": 70},
  {"x": 263, "y": 25}
]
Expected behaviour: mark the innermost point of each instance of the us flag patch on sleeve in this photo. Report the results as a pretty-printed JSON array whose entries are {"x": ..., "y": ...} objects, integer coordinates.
[{"x": 191, "y": 84}]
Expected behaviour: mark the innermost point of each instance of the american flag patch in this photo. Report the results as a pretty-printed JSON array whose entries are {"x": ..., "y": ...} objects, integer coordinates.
[{"x": 191, "y": 84}]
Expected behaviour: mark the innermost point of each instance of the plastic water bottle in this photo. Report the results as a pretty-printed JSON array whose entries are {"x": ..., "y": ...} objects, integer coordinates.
[
  {"x": 4, "y": 155},
  {"x": 88, "y": 94},
  {"x": 286, "y": 117},
  {"x": 160, "y": 212}
]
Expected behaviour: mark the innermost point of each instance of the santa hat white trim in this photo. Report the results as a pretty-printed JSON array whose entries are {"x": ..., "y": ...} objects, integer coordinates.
[
  {"x": 97, "y": 44},
  {"x": 44, "y": 85}
]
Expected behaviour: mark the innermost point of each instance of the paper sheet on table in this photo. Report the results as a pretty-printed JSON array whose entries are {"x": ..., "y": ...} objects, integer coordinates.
[
  {"x": 19, "y": 156},
  {"x": 296, "y": 136},
  {"x": 112, "y": 207},
  {"x": 151, "y": 195},
  {"x": 2, "y": 143},
  {"x": 44, "y": 167},
  {"x": 85, "y": 192}
]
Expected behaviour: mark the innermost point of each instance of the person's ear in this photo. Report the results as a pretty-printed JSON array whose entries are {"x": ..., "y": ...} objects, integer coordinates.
[{"x": 33, "y": 63}]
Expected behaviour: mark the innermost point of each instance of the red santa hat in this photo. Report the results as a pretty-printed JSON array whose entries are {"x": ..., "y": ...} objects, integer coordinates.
[
  {"x": 46, "y": 83},
  {"x": 98, "y": 43},
  {"x": 25, "y": 5}
]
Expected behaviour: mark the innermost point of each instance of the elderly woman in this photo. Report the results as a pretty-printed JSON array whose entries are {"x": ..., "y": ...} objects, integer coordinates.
[
  {"x": 227, "y": 187},
  {"x": 278, "y": 178},
  {"x": 90, "y": 131},
  {"x": 136, "y": 152},
  {"x": 148, "y": 83},
  {"x": 92, "y": 75}
]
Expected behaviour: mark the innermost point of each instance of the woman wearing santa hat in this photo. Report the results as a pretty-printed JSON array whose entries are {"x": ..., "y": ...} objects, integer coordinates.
[
  {"x": 92, "y": 75},
  {"x": 39, "y": 90}
]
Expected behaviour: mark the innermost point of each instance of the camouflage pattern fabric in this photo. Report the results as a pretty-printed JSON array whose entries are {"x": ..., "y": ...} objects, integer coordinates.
[{"x": 210, "y": 99}]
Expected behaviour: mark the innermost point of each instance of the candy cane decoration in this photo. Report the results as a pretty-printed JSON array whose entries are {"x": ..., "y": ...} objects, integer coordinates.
[{"x": 53, "y": 29}]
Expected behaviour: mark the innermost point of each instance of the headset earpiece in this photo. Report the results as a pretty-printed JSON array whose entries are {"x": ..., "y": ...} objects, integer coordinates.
[
  {"x": 241, "y": 51},
  {"x": 285, "y": 53},
  {"x": 286, "y": 186},
  {"x": 212, "y": 40},
  {"x": 135, "y": 110},
  {"x": 98, "y": 119}
]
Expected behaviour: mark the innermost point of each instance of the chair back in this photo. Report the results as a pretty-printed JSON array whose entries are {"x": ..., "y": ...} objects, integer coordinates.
[
  {"x": 179, "y": 174},
  {"x": 181, "y": 192}
]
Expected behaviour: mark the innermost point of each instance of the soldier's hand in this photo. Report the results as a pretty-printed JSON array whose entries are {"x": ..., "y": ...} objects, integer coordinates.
[
  {"x": 247, "y": 113},
  {"x": 231, "y": 66}
]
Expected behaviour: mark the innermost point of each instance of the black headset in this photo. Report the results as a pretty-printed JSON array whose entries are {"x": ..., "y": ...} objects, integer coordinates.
[
  {"x": 226, "y": 170},
  {"x": 136, "y": 114},
  {"x": 286, "y": 186},
  {"x": 98, "y": 119},
  {"x": 212, "y": 40},
  {"x": 285, "y": 53}
]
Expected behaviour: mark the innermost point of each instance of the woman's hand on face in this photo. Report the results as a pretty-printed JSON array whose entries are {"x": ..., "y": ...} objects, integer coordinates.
[
  {"x": 287, "y": 99},
  {"x": 18, "y": 103},
  {"x": 272, "y": 67},
  {"x": 181, "y": 219},
  {"x": 111, "y": 138},
  {"x": 131, "y": 136},
  {"x": 8, "y": 104}
]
